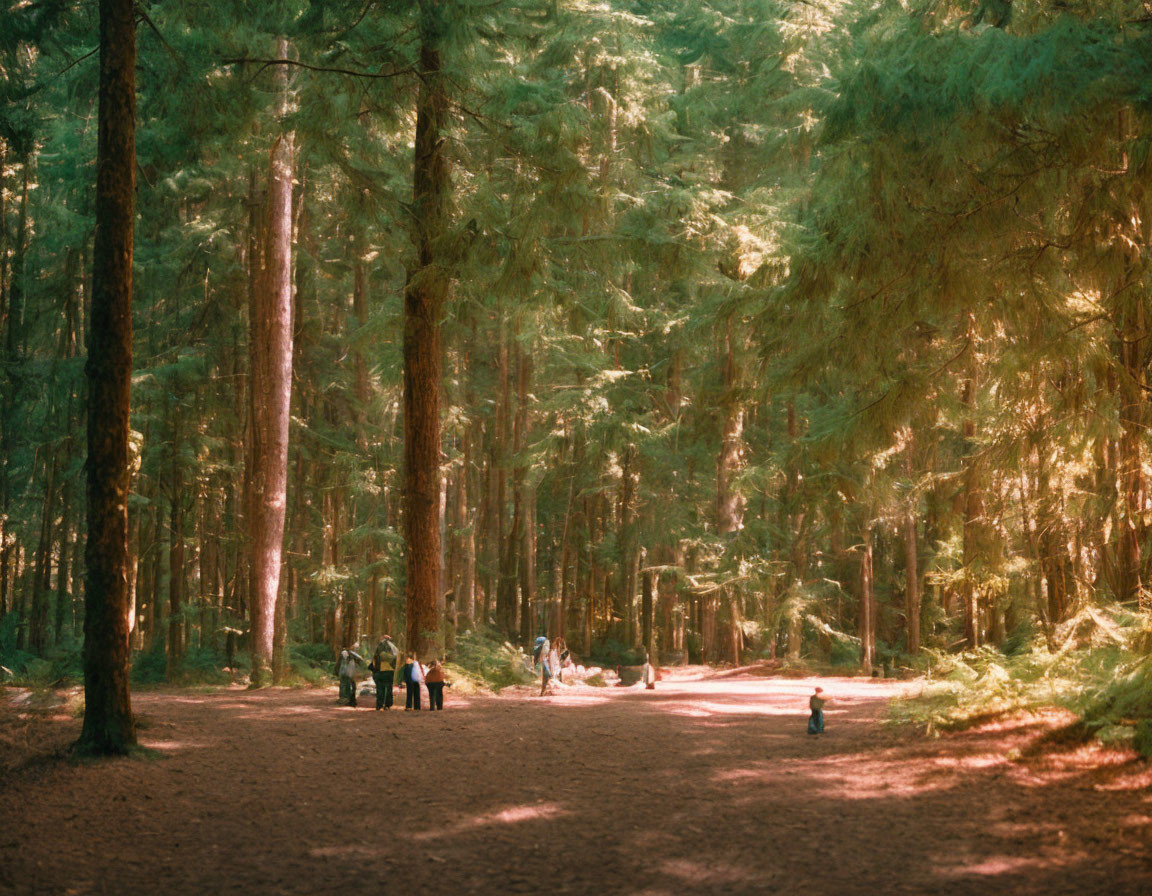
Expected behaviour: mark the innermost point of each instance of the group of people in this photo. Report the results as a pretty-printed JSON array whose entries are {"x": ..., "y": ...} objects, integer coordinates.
[
  {"x": 551, "y": 656},
  {"x": 385, "y": 666}
]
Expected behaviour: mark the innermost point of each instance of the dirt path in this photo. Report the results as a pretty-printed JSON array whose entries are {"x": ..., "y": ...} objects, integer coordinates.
[{"x": 698, "y": 787}]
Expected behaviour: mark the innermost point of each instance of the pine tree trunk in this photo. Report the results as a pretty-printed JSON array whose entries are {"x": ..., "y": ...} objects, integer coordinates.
[
  {"x": 425, "y": 296},
  {"x": 867, "y": 607},
  {"x": 109, "y": 727},
  {"x": 42, "y": 580},
  {"x": 1132, "y": 339},
  {"x": 647, "y": 612},
  {"x": 270, "y": 352},
  {"x": 911, "y": 582},
  {"x": 176, "y": 568}
]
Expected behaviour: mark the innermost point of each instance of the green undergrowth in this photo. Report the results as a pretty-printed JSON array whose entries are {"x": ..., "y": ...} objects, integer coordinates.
[
  {"x": 483, "y": 659},
  {"x": 1097, "y": 668}
]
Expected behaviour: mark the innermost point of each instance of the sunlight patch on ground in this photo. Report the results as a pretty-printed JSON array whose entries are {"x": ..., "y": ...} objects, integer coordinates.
[
  {"x": 511, "y": 815},
  {"x": 697, "y": 873},
  {"x": 705, "y": 708},
  {"x": 171, "y": 746},
  {"x": 997, "y": 865}
]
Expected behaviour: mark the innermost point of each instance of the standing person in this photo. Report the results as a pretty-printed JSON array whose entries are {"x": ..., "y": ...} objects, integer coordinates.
[
  {"x": 413, "y": 676},
  {"x": 383, "y": 668},
  {"x": 648, "y": 674},
  {"x": 435, "y": 681},
  {"x": 561, "y": 658},
  {"x": 542, "y": 654},
  {"x": 347, "y": 668},
  {"x": 554, "y": 659},
  {"x": 816, "y": 704}
]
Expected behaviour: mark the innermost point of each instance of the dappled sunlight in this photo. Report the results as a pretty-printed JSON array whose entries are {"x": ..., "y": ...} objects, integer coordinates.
[
  {"x": 170, "y": 746},
  {"x": 665, "y": 792},
  {"x": 699, "y": 874},
  {"x": 512, "y": 815},
  {"x": 995, "y": 865}
]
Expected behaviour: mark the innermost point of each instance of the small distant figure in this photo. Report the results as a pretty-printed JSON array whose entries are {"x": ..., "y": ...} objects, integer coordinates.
[
  {"x": 348, "y": 668},
  {"x": 816, "y": 704},
  {"x": 383, "y": 669},
  {"x": 434, "y": 680},
  {"x": 648, "y": 674},
  {"x": 412, "y": 676},
  {"x": 540, "y": 654}
]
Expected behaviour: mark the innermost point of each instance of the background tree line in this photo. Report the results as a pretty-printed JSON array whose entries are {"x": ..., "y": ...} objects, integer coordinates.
[{"x": 748, "y": 328}]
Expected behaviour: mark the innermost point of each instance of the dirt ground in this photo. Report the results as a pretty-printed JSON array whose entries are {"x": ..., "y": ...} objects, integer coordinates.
[{"x": 701, "y": 786}]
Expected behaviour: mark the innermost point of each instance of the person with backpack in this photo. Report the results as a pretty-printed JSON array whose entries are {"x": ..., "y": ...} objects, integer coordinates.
[
  {"x": 347, "y": 668},
  {"x": 540, "y": 654},
  {"x": 383, "y": 669},
  {"x": 434, "y": 680},
  {"x": 413, "y": 676}
]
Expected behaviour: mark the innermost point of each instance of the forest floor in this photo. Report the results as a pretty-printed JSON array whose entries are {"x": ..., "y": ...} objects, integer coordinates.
[{"x": 705, "y": 785}]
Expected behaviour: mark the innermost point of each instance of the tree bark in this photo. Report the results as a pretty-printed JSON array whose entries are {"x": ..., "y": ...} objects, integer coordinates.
[
  {"x": 109, "y": 727},
  {"x": 867, "y": 609},
  {"x": 911, "y": 582},
  {"x": 425, "y": 295},
  {"x": 270, "y": 391}
]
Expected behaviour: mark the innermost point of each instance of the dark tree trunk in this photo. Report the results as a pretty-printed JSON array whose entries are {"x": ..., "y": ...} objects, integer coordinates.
[
  {"x": 176, "y": 568},
  {"x": 911, "y": 582},
  {"x": 109, "y": 727},
  {"x": 270, "y": 347},
  {"x": 424, "y": 298},
  {"x": 42, "y": 578}
]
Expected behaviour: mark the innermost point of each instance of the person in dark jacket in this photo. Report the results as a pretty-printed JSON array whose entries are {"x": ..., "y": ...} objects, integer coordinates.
[
  {"x": 412, "y": 676},
  {"x": 816, "y": 706},
  {"x": 383, "y": 669}
]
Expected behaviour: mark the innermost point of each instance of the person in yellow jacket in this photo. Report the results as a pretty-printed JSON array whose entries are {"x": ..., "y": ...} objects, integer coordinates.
[{"x": 383, "y": 669}]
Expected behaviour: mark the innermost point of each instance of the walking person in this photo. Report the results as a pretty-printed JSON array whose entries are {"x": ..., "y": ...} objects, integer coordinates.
[
  {"x": 816, "y": 705},
  {"x": 383, "y": 669},
  {"x": 540, "y": 654},
  {"x": 348, "y": 668}
]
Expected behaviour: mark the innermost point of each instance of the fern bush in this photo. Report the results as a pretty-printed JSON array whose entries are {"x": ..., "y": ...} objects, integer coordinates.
[{"x": 1097, "y": 645}]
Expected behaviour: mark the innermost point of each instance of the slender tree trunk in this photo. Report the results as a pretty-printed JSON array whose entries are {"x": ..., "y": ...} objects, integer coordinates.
[
  {"x": 270, "y": 348},
  {"x": 973, "y": 502},
  {"x": 867, "y": 605},
  {"x": 109, "y": 727},
  {"x": 911, "y": 582},
  {"x": 425, "y": 296},
  {"x": 176, "y": 574},
  {"x": 42, "y": 578},
  {"x": 647, "y": 613}
]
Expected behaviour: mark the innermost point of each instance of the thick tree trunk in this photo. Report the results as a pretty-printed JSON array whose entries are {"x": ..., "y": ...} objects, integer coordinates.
[
  {"x": 425, "y": 296},
  {"x": 109, "y": 727},
  {"x": 270, "y": 350}
]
